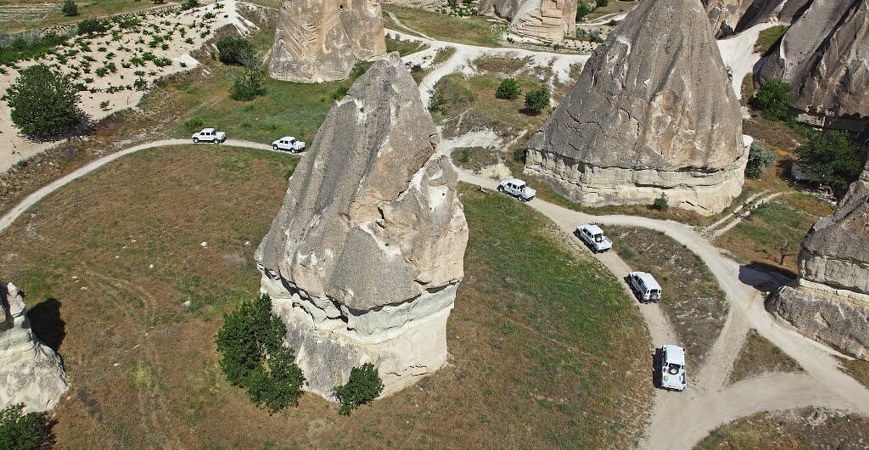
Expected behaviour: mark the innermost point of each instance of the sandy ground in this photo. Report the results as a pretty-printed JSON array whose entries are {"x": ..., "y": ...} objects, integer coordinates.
[{"x": 197, "y": 28}]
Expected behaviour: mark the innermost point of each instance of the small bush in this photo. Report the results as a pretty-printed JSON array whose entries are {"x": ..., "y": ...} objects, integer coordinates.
[
  {"x": 254, "y": 358},
  {"x": 759, "y": 159},
  {"x": 583, "y": 9},
  {"x": 44, "y": 103},
  {"x": 193, "y": 124},
  {"x": 536, "y": 101},
  {"x": 772, "y": 99},
  {"x": 92, "y": 26},
  {"x": 190, "y": 4},
  {"x": 363, "y": 386},
  {"x": 601, "y": 3},
  {"x": 104, "y": 105},
  {"x": 508, "y": 89},
  {"x": 19, "y": 431},
  {"x": 340, "y": 92},
  {"x": 661, "y": 203},
  {"x": 69, "y": 8},
  {"x": 360, "y": 68},
  {"x": 234, "y": 50}
]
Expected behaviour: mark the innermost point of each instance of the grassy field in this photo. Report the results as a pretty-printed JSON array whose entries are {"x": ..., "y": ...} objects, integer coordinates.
[
  {"x": 546, "y": 350},
  {"x": 759, "y": 356},
  {"x": 464, "y": 30},
  {"x": 768, "y": 38},
  {"x": 692, "y": 300},
  {"x": 18, "y": 15},
  {"x": 404, "y": 48},
  {"x": 614, "y": 7},
  {"x": 791, "y": 430}
]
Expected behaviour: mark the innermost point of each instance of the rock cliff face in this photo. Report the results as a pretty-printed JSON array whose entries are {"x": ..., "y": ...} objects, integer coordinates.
[
  {"x": 363, "y": 259},
  {"x": 30, "y": 372},
  {"x": 831, "y": 301},
  {"x": 652, "y": 112},
  {"x": 321, "y": 40},
  {"x": 547, "y": 20},
  {"x": 732, "y": 16},
  {"x": 824, "y": 57}
]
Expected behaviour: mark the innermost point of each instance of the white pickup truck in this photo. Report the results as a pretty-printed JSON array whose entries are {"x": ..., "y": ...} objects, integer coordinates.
[
  {"x": 209, "y": 135},
  {"x": 593, "y": 236},
  {"x": 289, "y": 144},
  {"x": 517, "y": 188}
]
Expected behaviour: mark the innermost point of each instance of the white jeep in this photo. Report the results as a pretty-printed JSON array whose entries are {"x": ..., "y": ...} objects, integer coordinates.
[
  {"x": 209, "y": 135},
  {"x": 593, "y": 236},
  {"x": 671, "y": 368},
  {"x": 644, "y": 286},
  {"x": 289, "y": 144},
  {"x": 517, "y": 188}
]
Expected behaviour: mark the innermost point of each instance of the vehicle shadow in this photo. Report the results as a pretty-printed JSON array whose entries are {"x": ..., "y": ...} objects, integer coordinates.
[{"x": 656, "y": 362}]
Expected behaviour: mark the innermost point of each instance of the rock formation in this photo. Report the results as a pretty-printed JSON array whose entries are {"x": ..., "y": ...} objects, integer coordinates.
[
  {"x": 547, "y": 20},
  {"x": 30, "y": 372},
  {"x": 363, "y": 260},
  {"x": 652, "y": 113},
  {"x": 824, "y": 57},
  {"x": 321, "y": 40},
  {"x": 830, "y": 302},
  {"x": 732, "y": 16}
]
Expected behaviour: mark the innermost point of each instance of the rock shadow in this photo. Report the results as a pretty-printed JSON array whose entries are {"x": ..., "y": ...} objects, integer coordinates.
[
  {"x": 765, "y": 277},
  {"x": 47, "y": 324}
]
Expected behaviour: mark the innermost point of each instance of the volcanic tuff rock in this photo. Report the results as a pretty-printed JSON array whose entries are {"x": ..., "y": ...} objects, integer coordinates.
[
  {"x": 652, "y": 112},
  {"x": 30, "y": 372},
  {"x": 831, "y": 301},
  {"x": 824, "y": 57},
  {"x": 733, "y": 16},
  {"x": 321, "y": 40},
  {"x": 364, "y": 257},
  {"x": 549, "y": 20}
]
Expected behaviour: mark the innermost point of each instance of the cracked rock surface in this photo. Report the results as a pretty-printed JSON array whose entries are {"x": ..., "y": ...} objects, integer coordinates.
[
  {"x": 652, "y": 112},
  {"x": 366, "y": 252},
  {"x": 733, "y": 16},
  {"x": 321, "y": 40},
  {"x": 548, "y": 20}
]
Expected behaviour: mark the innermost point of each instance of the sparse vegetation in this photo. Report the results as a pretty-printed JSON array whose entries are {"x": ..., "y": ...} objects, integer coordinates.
[
  {"x": 759, "y": 356},
  {"x": 474, "y": 158},
  {"x": 661, "y": 203},
  {"x": 768, "y": 38},
  {"x": 92, "y": 26},
  {"x": 69, "y": 8},
  {"x": 44, "y": 103},
  {"x": 363, "y": 386},
  {"x": 20, "y": 431},
  {"x": 254, "y": 357}
]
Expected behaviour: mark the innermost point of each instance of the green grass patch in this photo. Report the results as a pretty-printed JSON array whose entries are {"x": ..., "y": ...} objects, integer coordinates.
[
  {"x": 473, "y": 30},
  {"x": 403, "y": 48},
  {"x": 768, "y": 38},
  {"x": 858, "y": 369},
  {"x": 759, "y": 356},
  {"x": 53, "y": 16},
  {"x": 474, "y": 158},
  {"x": 692, "y": 300}
]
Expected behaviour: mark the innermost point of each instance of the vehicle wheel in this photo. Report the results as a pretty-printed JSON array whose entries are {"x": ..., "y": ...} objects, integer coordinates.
[
  {"x": 195, "y": 140},
  {"x": 216, "y": 142},
  {"x": 274, "y": 147},
  {"x": 500, "y": 189}
]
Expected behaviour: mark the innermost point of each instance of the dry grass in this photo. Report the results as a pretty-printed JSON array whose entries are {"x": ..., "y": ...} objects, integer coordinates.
[
  {"x": 768, "y": 38},
  {"x": 759, "y": 356},
  {"x": 614, "y": 6},
  {"x": 546, "y": 350},
  {"x": 805, "y": 428},
  {"x": 857, "y": 368},
  {"x": 464, "y": 30},
  {"x": 474, "y": 158},
  {"x": 692, "y": 300}
]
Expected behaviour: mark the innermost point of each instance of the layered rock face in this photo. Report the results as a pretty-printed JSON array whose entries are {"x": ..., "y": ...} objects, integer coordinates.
[
  {"x": 824, "y": 57},
  {"x": 652, "y": 112},
  {"x": 363, "y": 260},
  {"x": 732, "y": 16},
  {"x": 547, "y": 20},
  {"x": 321, "y": 40},
  {"x": 30, "y": 372},
  {"x": 831, "y": 300}
]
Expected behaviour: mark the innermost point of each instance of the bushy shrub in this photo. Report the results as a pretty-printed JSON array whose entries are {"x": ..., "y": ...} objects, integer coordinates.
[
  {"x": 19, "y": 431},
  {"x": 759, "y": 159},
  {"x": 601, "y": 3},
  {"x": 661, "y": 203},
  {"x": 92, "y": 26},
  {"x": 363, "y": 386},
  {"x": 248, "y": 86},
  {"x": 583, "y": 9},
  {"x": 44, "y": 103},
  {"x": 193, "y": 123},
  {"x": 254, "y": 358},
  {"x": 508, "y": 89},
  {"x": 234, "y": 50},
  {"x": 832, "y": 159},
  {"x": 537, "y": 100},
  {"x": 190, "y": 4},
  {"x": 340, "y": 92},
  {"x": 772, "y": 99},
  {"x": 69, "y": 8}
]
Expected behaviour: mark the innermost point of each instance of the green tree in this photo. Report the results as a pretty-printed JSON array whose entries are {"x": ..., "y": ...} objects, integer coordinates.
[
  {"x": 583, "y": 9},
  {"x": 254, "y": 358},
  {"x": 831, "y": 158},
  {"x": 773, "y": 99},
  {"x": 234, "y": 50},
  {"x": 363, "y": 386},
  {"x": 601, "y": 3},
  {"x": 249, "y": 85},
  {"x": 508, "y": 89},
  {"x": 759, "y": 159},
  {"x": 661, "y": 203},
  {"x": 537, "y": 100},
  {"x": 19, "y": 431},
  {"x": 69, "y": 8},
  {"x": 44, "y": 103}
]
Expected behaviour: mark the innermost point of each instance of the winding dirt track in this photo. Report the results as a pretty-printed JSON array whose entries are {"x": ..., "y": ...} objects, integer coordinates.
[{"x": 679, "y": 420}]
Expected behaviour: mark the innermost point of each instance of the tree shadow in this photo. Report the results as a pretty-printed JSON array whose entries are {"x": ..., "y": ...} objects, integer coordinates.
[{"x": 46, "y": 323}]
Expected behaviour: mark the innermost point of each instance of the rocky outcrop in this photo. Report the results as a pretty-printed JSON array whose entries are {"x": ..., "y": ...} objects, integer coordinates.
[
  {"x": 824, "y": 57},
  {"x": 733, "y": 16},
  {"x": 830, "y": 302},
  {"x": 363, "y": 260},
  {"x": 652, "y": 113},
  {"x": 321, "y": 40},
  {"x": 30, "y": 372},
  {"x": 547, "y": 20}
]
